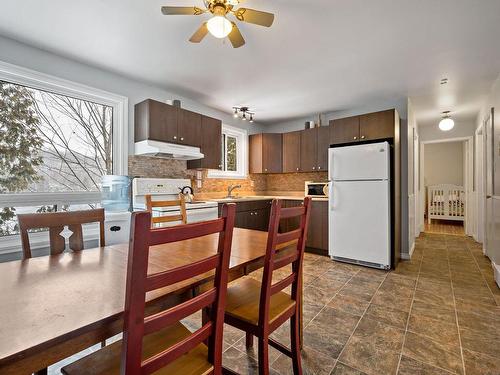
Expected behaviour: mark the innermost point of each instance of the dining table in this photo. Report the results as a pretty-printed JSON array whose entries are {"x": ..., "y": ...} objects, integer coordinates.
[{"x": 52, "y": 307}]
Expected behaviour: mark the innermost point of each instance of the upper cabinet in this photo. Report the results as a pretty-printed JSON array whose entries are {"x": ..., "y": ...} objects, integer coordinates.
[
  {"x": 210, "y": 145},
  {"x": 291, "y": 152},
  {"x": 265, "y": 153},
  {"x": 162, "y": 122},
  {"x": 367, "y": 127},
  {"x": 314, "y": 149}
]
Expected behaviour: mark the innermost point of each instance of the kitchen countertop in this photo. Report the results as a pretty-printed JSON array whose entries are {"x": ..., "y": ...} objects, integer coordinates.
[{"x": 249, "y": 198}]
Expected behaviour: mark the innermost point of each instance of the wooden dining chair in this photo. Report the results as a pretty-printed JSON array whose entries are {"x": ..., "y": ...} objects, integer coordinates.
[
  {"x": 259, "y": 308},
  {"x": 181, "y": 202},
  {"x": 56, "y": 222},
  {"x": 160, "y": 343}
]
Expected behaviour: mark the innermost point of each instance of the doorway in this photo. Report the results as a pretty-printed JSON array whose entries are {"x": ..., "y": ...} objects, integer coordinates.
[{"x": 446, "y": 181}]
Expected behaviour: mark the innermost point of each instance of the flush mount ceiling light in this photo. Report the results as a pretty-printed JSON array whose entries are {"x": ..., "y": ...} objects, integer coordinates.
[
  {"x": 446, "y": 122},
  {"x": 244, "y": 113},
  {"x": 219, "y": 26}
]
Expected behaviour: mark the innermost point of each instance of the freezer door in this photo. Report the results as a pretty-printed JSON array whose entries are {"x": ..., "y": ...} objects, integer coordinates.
[
  {"x": 361, "y": 162},
  {"x": 359, "y": 221}
]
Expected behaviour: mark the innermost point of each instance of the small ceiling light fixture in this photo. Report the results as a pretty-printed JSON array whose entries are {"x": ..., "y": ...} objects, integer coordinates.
[
  {"x": 243, "y": 112},
  {"x": 446, "y": 122}
]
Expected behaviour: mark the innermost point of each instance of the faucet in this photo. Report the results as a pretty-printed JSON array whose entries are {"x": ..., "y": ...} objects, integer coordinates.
[{"x": 230, "y": 190}]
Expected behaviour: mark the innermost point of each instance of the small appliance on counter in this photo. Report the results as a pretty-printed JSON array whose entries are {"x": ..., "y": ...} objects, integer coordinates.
[{"x": 316, "y": 189}]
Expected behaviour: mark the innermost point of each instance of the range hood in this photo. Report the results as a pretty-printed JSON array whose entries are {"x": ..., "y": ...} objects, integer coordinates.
[{"x": 167, "y": 150}]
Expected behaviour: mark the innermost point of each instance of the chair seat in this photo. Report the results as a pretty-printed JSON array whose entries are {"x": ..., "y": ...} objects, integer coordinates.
[
  {"x": 107, "y": 360},
  {"x": 243, "y": 299}
]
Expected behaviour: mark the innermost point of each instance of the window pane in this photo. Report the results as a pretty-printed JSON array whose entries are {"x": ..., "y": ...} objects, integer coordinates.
[
  {"x": 52, "y": 143},
  {"x": 231, "y": 153}
]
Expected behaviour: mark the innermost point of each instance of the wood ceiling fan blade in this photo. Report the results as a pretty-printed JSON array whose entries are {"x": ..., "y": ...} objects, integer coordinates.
[
  {"x": 199, "y": 34},
  {"x": 254, "y": 16},
  {"x": 235, "y": 37},
  {"x": 187, "y": 11}
]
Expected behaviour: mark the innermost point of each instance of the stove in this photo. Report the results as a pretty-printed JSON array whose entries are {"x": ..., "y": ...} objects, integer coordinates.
[{"x": 169, "y": 189}]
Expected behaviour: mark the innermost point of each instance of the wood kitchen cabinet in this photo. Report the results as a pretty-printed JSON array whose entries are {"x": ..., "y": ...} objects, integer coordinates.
[
  {"x": 252, "y": 214},
  {"x": 210, "y": 145},
  {"x": 344, "y": 130},
  {"x": 367, "y": 127},
  {"x": 162, "y": 122},
  {"x": 317, "y": 234},
  {"x": 291, "y": 152},
  {"x": 314, "y": 149},
  {"x": 265, "y": 153}
]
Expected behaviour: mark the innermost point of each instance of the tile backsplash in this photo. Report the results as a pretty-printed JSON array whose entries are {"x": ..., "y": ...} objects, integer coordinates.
[{"x": 143, "y": 166}]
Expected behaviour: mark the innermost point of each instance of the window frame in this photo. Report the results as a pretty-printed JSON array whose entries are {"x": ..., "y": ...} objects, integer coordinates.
[
  {"x": 241, "y": 172},
  {"x": 26, "y": 77}
]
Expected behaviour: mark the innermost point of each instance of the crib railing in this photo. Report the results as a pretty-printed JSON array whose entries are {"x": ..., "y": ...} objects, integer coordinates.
[{"x": 446, "y": 202}]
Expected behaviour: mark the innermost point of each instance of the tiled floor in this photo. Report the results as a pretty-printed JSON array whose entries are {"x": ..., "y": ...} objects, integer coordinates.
[
  {"x": 436, "y": 314},
  {"x": 445, "y": 227}
]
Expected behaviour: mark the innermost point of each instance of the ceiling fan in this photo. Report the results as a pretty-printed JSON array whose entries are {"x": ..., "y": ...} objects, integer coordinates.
[{"x": 219, "y": 26}]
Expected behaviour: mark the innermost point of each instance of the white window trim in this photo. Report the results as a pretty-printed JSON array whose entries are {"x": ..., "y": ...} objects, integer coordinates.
[
  {"x": 33, "y": 79},
  {"x": 241, "y": 172}
]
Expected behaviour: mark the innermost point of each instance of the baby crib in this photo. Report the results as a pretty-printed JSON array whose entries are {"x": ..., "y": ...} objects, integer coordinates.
[{"x": 445, "y": 202}]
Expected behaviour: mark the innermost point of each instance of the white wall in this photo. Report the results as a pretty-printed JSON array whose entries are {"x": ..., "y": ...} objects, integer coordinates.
[
  {"x": 20, "y": 54},
  {"x": 492, "y": 219},
  {"x": 433, "y": 133},
  {"x": 374, "y": 106},
  {"x": 444, "y": 163}
]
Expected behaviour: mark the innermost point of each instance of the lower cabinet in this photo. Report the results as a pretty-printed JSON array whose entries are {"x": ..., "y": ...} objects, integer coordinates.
[
  {"x": 252, "y": 214},
  {"x": 317, "y": 232}
]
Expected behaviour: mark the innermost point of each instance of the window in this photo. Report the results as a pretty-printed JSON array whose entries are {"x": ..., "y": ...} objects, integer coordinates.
[
  {"x": 57, "y": 139},
  {"x": 234, "y": 154}
]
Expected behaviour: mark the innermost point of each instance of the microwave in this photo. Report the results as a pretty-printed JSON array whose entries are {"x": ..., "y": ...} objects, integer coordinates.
[{"x": 316, "y": 189}]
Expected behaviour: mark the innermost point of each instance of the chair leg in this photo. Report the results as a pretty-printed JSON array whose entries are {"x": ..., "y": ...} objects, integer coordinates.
[
  {"x": 249, "y": 340},
  {"x": 42, "y": 372},
  {"x": 263, "y": 356},
  {"x": 295, "y": 345}
]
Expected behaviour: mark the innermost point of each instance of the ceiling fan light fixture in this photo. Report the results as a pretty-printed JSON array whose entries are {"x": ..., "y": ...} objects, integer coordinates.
[
  {"x": 219, "y": 26},
  {"x": 446, "y": 122}
]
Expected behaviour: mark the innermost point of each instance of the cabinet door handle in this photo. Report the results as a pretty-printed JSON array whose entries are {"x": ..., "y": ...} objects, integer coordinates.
[
  {"x": 182, "y": 138},
  {"x": 220, "y": 165},
  {"x": 265, "y": 169},
  {"x": 362, "y": 137},
  {"x": 314, "y": 168},
  {"x": 354, "y": 137},
  {"x": 319, "y": 167},
  {"x": 297, "y": 168},
  {"x": 175, "y": 137}
]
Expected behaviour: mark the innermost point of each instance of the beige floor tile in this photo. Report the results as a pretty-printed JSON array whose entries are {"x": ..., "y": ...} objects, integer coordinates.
[
  {"x": 410, "y": 366},
  {"x": 387, "y": 314},
  {"x": 313, "y": 363},
  {"x": 433, "y": 353},
  {"x": 480, "y": 364},
  {"x": 342, "y": 369}
]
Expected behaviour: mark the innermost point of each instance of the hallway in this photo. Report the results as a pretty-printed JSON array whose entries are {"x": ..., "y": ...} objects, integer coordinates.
[{"x": 445, "y": 227}]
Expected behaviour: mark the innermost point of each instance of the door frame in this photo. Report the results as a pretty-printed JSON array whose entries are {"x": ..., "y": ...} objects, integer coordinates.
[
  {"x": 479, "y": 183},
  {"x": 470, "y": 217}
]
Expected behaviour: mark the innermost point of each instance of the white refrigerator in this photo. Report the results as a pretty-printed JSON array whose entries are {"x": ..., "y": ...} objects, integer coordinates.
[{"x": 359, "y": 219}]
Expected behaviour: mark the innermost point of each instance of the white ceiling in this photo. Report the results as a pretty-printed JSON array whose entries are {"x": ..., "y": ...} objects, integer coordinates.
[{"x": 320, "y": 55}]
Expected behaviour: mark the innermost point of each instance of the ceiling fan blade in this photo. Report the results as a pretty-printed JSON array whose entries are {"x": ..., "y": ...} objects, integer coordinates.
[
  {"x": 235, "y": 37},
  {"x": 254, "y": 16},
  {"x": 188, "y": 11},
  {"x": 199, "y": 34}
]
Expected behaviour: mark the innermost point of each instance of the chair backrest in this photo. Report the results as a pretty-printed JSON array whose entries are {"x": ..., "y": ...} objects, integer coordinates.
[
  {"x": 181, "y": 202},
  {"x": 56, "y": 222},
  {"x": 292, "y": 240},
  {"x": 136, "y": 325}
]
